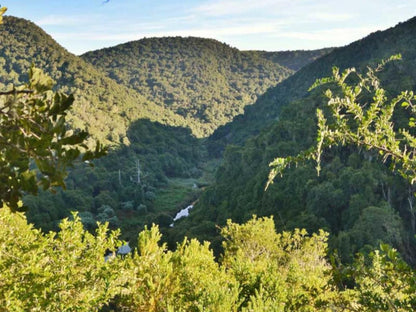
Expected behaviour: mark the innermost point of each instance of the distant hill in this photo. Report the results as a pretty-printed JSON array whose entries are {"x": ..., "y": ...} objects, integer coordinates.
[
  {"x": 361, "y": 53},
  {"x": 158, "y": 89},
  {"x": 356, "y": 198},
  {"x": 293, "y": 60},
  {"x": 203, "y": 80},
  {"x": 189, "y": 82},
  {"x": 102, "y": 106}
]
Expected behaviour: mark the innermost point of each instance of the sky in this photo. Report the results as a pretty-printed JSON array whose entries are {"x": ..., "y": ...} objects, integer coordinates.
[{"x": 271, "y": 25}]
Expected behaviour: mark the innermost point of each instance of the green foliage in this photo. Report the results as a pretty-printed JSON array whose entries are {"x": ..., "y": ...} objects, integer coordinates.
[
  {"x": 277, "y": 272},
  {"x": 350, "y": 180},
  {"x": 203, "y": 80},
  {"x": 101, "y": 106},
  {"x": 388, "y": 284},
  {"x": 294, "y": 60},
  {"x": 2, "y": 11},
  {"x": 33, "y": 129},
  {"x": 261, "y": 270},
  {"x": 62, "y": 271},
  {"x": 369, "y": 50},
  {"x": 382, "y": 282},
  {"x": 368, "y": 125},
  {"x": 164, "y": 156},
  {"x": 187, "y": 279}
]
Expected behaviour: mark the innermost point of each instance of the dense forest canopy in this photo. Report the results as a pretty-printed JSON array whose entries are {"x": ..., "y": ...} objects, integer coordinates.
[
  {"x": 101, "y": 105},
  {"x": 147, "y": 134},
  {"x": 359, "y": 54},
  {"x": 355, "y": 198},
  {"x": 205, "y": 81},
  {"x": 157, "y": 165}
]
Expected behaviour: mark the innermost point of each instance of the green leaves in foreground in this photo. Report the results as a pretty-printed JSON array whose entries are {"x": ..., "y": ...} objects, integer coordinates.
[
  {"x": 62, "y": 271},
  {"x": 361, "y": 114},
  {"x": 261, "y": 270},
  {"x": 33, "y": 131}
]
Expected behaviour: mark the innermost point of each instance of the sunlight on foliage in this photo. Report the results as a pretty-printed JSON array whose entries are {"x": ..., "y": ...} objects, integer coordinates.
[
  {"x": 362, "y": 115},
  {"x": 62, "y": 271},
  {"x": 33, "y": 130}
]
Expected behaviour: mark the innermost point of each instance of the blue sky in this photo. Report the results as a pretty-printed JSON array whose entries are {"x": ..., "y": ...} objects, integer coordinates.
[{"x": 273, "y": 25}]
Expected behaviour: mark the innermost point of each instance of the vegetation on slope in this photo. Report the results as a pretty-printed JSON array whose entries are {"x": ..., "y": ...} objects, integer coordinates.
[
  {"x": 101, "y": 105},
  {"x": 260, "y": 270},
  {"x": 294, "y": 60},
  {"x": 203, "y": 80},
  {"x": 116, "y": 114},
  {"x": 355, "y": 198},
  {"x": 367, "y": 51},
  {"x": 123, "y": 186}
]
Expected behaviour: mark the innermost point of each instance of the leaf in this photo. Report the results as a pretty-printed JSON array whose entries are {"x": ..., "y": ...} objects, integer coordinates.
[
  {"x": 39, "y": 81},
  {"x": 2, "y": 11},
  {"x": 74, "y": 139}
]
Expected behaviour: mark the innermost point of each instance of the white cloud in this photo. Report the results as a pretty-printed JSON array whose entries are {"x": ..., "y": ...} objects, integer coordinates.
[
  {"x": 63, "y": 20},
  {"x": 331, "y": 17},
  {"x": 209, "y": 32},
  {"x": 234, "y": 7},
  {"x": 336, "y": 36}
]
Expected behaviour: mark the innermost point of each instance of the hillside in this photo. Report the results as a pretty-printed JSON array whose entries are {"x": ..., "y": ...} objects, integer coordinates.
[
  {"x": 117, "y": 114},
  {"x": 367, "y": 51},
  {"x": 203, "y": 80},
  {"x": 171, "y": 159},
  {"x": 356, "y": 198},
  {"x": 189, "y": 82},
  {"x": 102, "y": 106},
  {"x": 293, "y": 60}
]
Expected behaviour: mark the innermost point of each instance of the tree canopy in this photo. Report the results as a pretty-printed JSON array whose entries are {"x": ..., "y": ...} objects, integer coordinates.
[
  {"x": 361, "y": 114},
  {"x": 36, "y": 146}
]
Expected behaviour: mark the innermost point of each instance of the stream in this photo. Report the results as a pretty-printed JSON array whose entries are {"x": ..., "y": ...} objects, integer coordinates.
[{"x": 181, "y": 214}]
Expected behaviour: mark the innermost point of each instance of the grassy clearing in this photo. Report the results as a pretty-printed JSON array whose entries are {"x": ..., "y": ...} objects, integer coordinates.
[{"x": 178, "y": 194}]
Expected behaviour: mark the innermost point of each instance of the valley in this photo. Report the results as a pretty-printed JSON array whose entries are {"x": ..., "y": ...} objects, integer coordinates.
[
  {"x": 141, "y": 98},
  {"x": 191, "y": 126}
]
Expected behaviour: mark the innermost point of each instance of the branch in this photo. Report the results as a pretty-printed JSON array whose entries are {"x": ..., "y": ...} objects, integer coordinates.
[{"x": 14, "y": 91}]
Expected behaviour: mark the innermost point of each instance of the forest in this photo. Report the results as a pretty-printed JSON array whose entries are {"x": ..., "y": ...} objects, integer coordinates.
[{"x": 299, "y": 166}]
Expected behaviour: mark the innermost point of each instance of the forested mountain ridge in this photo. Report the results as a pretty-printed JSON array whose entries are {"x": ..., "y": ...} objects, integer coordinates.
[
  {"x": 116, "y": 114},
  {"x": 293, "y": 60},
  {"x": 366, "y": 51},
  {"x": 84, "y": 266},
  {"x": 102, "y": 106},
  {"x": 189, "y": 82},
  {"x": 203, "y": 80},
  {"x": 355, "y": 197}
]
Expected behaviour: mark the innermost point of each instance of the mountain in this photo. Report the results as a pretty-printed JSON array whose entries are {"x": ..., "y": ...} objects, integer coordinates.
[
  {"x": 293, "y": 60},
  {"x": 150, "y": 141},
  {"x": 149, "y": 131},
  {"x": 189, "y": 82},
  {"x": 361, "y": 53},
  {"x": 102, "y": 106},
  {"x": 355, "y": 197},
  {"x": 203, "y": 80}
]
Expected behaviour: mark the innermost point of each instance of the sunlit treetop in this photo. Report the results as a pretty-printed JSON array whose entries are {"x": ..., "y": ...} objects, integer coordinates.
[{"x": 361, "y": 114}]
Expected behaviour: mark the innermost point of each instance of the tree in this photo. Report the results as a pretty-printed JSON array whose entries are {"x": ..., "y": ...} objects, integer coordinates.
[
  {"x": 36, "y": 146},
  {"x": 62, "y": 271},
  {"x": 361, "y": 114},
  {"x": 277, "y": 271}
]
